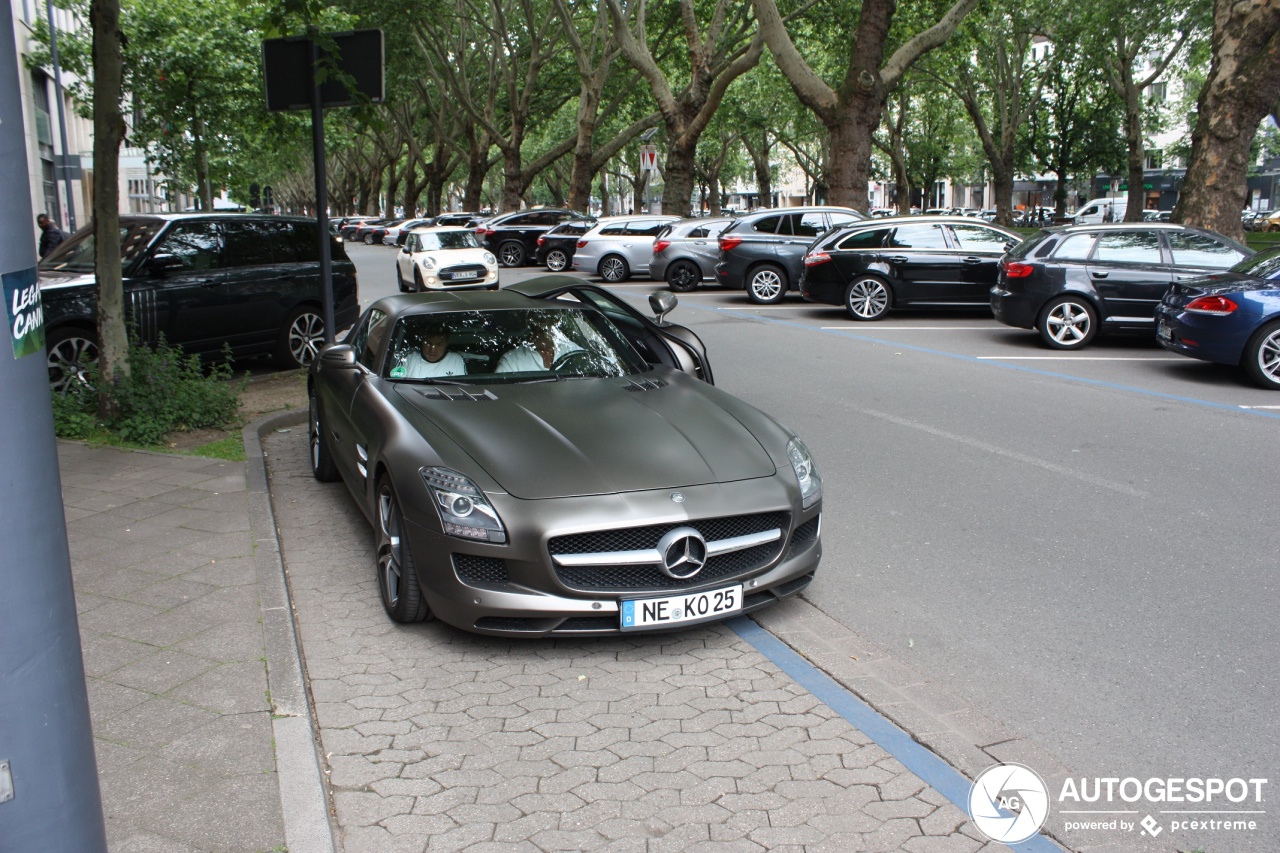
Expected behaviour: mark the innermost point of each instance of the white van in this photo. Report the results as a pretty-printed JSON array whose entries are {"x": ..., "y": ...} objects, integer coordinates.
[{"x": 1095, "y": 211}]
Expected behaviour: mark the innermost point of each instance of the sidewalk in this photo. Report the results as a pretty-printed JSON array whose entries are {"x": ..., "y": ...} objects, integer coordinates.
[{"x": 432, "y": 739}]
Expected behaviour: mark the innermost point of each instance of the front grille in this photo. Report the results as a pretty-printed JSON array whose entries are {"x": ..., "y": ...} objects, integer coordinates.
[
  {"x": 463, "y": 271},
  {"x": 473, "y": 570},
  {"x": 514, "y": 623},
  {"x": 589, "y": 623},
  {"x": 650, "y": 578}
]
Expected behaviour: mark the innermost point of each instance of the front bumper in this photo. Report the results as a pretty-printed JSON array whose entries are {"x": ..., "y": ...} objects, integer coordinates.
[{"x": 516, "y": 589}]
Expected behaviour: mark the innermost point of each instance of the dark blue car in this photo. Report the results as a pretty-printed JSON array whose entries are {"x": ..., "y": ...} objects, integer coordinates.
[{"x": 1231, "y": 317}]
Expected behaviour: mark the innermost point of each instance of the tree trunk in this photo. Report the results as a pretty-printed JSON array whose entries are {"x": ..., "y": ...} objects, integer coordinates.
[
  {"x": 204, "y": 188},
  {"x": 1239, "y": 92},
  {"x": 1137, "y": 156},
  {"x": 477, "y": 170},
  {"x": 581, "y": 173},
  {"x": 713, "y": 195},
  {"x": 849, "y": 163},
  {"x": 108, "y": 132},
  {"x": 605, "y": 206},
  {"x": 902, "y": 183},
  {"x": 1002, "y": 188},
  {"x": 677, "y": 180},
  {"x": 513, "y": 185}
]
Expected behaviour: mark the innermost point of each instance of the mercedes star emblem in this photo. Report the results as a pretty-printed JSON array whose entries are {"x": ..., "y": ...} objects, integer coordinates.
[{"x": 684, "y": 553}]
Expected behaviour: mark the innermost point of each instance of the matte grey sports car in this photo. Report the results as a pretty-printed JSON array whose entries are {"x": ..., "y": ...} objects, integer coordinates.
[{"x": 545, "y": 459}]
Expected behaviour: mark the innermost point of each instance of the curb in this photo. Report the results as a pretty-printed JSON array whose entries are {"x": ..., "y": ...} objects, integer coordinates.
[{"x": 304, "y": 800}]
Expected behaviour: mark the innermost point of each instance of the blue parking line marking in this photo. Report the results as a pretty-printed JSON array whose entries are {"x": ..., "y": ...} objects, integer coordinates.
[{"x": 931, "y": 769}]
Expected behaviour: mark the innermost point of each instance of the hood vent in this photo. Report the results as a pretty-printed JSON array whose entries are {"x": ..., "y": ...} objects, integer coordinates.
[
  {"x": 456, "y": 392},
  {"x": 644, "y": 384}
]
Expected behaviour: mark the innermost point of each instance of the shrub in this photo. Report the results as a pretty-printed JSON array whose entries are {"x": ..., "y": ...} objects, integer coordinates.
[{"x": 164, "y": 392}]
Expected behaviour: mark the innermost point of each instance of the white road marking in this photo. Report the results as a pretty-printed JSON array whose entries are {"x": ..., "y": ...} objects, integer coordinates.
[
  {"x": 1008, "y": 454},
  {"x": 1260, "y": 407},
  {"x": 767, "y": 307},
  {"x": 1073, "y": 358},
  {"x": 914, "y": 328}
]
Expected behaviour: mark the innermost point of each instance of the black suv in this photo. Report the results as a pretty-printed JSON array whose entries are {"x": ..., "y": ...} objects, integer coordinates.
[
  {"x": 556, "y": 247},
  {"x": 762, "y": 252},
  {"x": 1068, "y": 283},
  {"x": 204, "y": 282},
  {"x": 513, "y": 237}
]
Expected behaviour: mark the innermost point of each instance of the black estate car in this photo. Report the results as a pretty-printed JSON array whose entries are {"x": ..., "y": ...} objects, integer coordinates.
[
  {"x": 513, "y": 237},
  {"x": 761, "y": 252},
  {"x": 204, "y": 282},
  {"x": 1069, "y": 283},
  {"x": 556, "y": 247},
  {"x": 873, "y": 266}
]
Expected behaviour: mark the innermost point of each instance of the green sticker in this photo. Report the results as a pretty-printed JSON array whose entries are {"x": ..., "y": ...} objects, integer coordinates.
[
  {"x": 26, "y": 319},
  {"x": 398, "y": 372}
]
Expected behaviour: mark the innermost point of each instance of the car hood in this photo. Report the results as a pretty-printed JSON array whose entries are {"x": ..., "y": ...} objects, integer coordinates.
[
  {"x": 577, "y": 437},
  {"x": 54, "y": 280},
  {"x": 453, "y": 257}
]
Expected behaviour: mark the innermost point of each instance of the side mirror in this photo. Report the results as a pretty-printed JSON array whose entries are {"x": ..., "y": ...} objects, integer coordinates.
[
  {"x": 404, "y": 250},
  {"x": 163, "y": 264},
  {"x": 338, "y": 356},
  {"x": 662, "y": 302}
]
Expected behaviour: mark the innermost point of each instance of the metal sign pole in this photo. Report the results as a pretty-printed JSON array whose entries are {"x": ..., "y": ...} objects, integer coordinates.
[
  {"x": 62, "y": 118},
  {"x": 49, "y": 796},
  {"x": 322, "y": 190}
]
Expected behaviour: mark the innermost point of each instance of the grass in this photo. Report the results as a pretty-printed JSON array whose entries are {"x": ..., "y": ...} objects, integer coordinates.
[{"x": 230, "y": 448}]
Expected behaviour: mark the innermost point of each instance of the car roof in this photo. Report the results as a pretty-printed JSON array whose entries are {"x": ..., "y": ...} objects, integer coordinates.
[
  {"x": 923, "y": 219},
  {"x": 436, "y": 229},
  {"x": 814, "y": 208}
]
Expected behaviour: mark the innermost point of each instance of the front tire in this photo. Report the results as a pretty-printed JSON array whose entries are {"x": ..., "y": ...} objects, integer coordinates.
[
  {"x": 683, "y": 276},
  {"x": 511, "y": 254},
  {"x": 767, "y": 284},
  {"x": 867, "y": 298},
  {"x": 557, "y": 260},
  {"x": 1068, "y": 322},
  {"x": 69, "y": 351},
  {"x": 1261, "y": 359},
  {"x": 301, "y": 337},
  {"x": 614, "y": 269},
  {"x": 404, "y": 288},
  {"x": 322, "y": 465},
  {"x": 397, "y": 575}
]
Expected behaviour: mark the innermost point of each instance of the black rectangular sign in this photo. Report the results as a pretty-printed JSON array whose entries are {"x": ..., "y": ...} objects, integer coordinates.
[{"x": 286, "y": 64}]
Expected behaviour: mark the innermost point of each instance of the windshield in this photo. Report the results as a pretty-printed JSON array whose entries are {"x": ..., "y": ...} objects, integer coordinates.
[
  {"x": 430, "y": 242},
  {"x": 76, "y": 254},
  {"x": 1262, "y": 265},
  {"x": 513, "y": 345}
]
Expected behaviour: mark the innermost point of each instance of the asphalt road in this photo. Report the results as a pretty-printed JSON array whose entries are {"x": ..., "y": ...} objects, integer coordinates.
[{"x": 1082, "y": 546}]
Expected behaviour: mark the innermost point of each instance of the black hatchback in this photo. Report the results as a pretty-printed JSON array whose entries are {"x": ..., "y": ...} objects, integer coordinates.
[
  {"x": 872, "y": 267},
  {"x": 556, "y": 247},
  {"x": 761, "y": 252},
  {"x": 251, "y": 283},
  {"x": 1070, "y": 283}
]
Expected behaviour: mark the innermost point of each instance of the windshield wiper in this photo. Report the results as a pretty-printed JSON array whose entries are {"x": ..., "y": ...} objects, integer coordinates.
[{"x": 431, "y": 380}]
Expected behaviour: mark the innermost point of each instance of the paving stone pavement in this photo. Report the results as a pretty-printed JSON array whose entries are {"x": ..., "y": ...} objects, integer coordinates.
[
  {"x": 170, "y": 623},
  {"x": 437, "y": 740}
]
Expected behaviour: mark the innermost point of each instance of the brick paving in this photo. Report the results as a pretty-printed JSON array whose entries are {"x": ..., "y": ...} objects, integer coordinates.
[{"x": 434, "y": 739}]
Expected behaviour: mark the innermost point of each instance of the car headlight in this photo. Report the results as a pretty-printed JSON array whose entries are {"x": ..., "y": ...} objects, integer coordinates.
[
  {"x": 489, "y": 259},
  {"x": 806, "y": 473},
  {"x": 428, "y": 262},
  {"x": 464, "y": 510}
]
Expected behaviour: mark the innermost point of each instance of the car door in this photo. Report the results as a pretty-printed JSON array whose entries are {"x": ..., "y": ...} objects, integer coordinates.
[
  {"x": 637, "y": 242},
  {"x": 340, "y": 390},
  {"x": 1129, "y": 273},
  {"x": 797, "y": 231},
  {"x": 980, "y": 251},
  {"x": 256, "y": 282},
  {"x": 185, "y": 295},
  {"x": 669, "y": 344},
  {"x": 703, "y": 245},
  {"x": 859, "y": 253},
  {"x": 923, "y": 264}
]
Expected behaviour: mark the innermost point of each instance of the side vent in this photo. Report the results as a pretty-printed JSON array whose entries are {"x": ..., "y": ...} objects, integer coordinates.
[
  {"x": 644, "y": 384},
  {"x": 456, "y": 392}
]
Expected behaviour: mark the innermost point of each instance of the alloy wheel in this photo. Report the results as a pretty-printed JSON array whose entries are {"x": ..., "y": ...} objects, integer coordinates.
[
  {"x": 556, "y": 260},
  {"x": 390, "y": 547},
  {"x": 766, "y": 285},
  {"x": 306, "y": 335},
  {"x": 1069, "y": 324},
  {"x": 67, "y": 361},
  {"x": 613, "y": 269},
  {"x": 868, "y": 299}
]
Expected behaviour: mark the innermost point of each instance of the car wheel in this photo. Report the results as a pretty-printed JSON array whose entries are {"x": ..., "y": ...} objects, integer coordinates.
[
  {"x": 368, "y": 239},
  {"x": 511, "y": 254},
  {"x": 557, "y": 260},
  {"x": 69, "y": 351},
  {"x": 397, "y": 576},
  {"x": 613, "y": 269},
  {"x": 322, "y": 465},
  {"x": 418, "y": 284},
  {"x": 867, "y": 298},
  {"x": 767, "y": 284},
  {"x": 301, "y": 338},
  {"x": 683, "y": 276},
  {"x": 1068, "y": 322},
  {"x": 1262, "y": 356},
  {"x": 404, "y": 288}
]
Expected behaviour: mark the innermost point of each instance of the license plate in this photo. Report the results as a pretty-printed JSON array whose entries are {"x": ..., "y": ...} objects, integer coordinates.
[
  {"x": 463, "y": 276},
  {"x": 681, "y": 609},
  {"x": 1163, "y": 331}
]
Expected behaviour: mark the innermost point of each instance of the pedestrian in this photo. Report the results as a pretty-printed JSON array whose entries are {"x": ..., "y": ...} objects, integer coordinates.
[
  {"x": 1108, "y": 215},
  {"x": 50, "y": 235}
]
